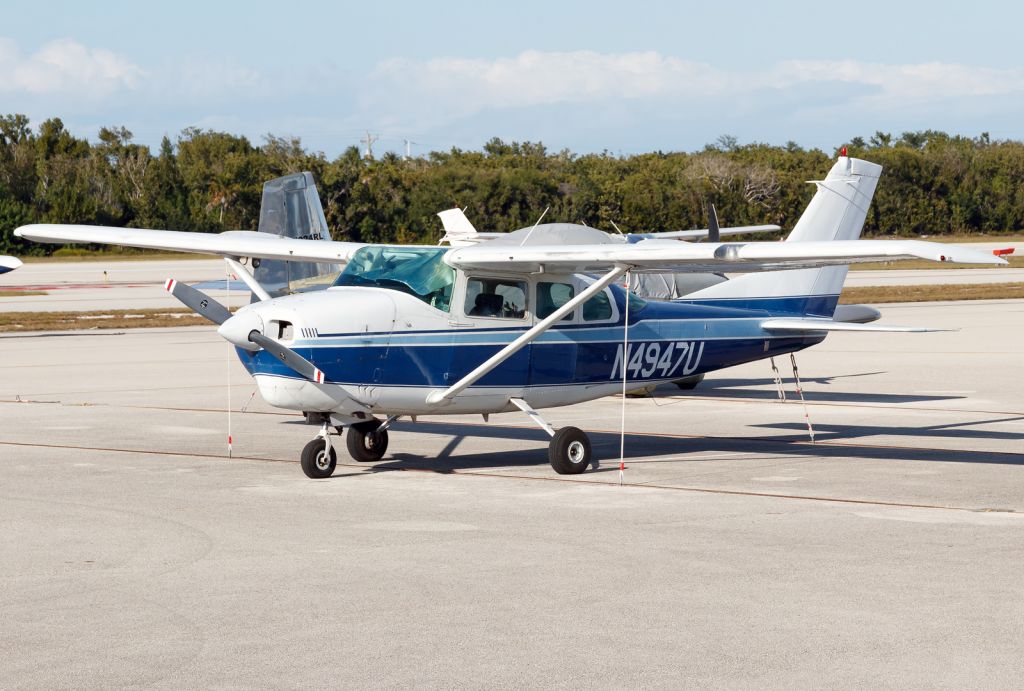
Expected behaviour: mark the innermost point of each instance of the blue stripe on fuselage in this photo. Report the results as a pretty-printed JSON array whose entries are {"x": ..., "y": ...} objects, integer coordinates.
[{"x": 715, "y": 335}]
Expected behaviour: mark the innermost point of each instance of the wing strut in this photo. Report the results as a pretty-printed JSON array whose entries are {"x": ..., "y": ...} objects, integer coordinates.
[
  {"x": 250, "y": 280},
  {"x": 441, "y": 396}
]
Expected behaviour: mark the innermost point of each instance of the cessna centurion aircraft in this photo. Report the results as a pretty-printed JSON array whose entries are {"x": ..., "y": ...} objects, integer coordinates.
[{"x": 525, "y": 320}]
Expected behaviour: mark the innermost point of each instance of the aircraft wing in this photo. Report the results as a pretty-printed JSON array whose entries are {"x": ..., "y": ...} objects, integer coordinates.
[
  {"x": 671, "y": 255},
  {"x": 230, "y": 244}
]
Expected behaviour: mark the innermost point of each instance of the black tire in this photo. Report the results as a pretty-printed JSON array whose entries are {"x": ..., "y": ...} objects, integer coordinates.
[
  {"x": 315, "y": 462},
  {"x": 569, "y": 451},
  {"x": 689, "y": 383},
  {"x": 365, "y": 443}
]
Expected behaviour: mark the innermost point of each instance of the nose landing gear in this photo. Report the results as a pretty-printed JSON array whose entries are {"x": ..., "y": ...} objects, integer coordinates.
[
  {"x": 366, "y": 441},
  {"x": 318, "y": 457}
]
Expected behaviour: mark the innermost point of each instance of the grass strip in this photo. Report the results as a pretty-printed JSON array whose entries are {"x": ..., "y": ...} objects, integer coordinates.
[
  {"x": 931, "y": 293},
  {"x": 1016, "y": 262},
  {"x": 101, "y": 319}
]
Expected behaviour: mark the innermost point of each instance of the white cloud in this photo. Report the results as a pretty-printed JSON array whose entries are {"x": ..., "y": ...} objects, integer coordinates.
[
  {"x": 440, "y": 90},
  {"x": 929, "y": 81},
  {"x": 534, "y": 78},
  {"x": 587, "y": 100},
  {"x": 65, "y": 67}
]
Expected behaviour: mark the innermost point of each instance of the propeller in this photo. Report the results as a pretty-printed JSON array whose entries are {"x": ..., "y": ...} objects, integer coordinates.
[
  {"x": 288, "y": 356},
  {"x": 245, "y": 330},
  {"x": 199, "y": 302},
  {"x": 713, "y": 234}
]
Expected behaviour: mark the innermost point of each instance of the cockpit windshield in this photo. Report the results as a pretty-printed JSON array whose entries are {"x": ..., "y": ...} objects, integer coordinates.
[{"x": 418, "y": 271}]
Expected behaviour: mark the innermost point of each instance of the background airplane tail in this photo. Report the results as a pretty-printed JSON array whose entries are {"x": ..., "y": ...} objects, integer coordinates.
[
  {"x": 291, "y": 208},
  {"x": 836, "y": 212}
]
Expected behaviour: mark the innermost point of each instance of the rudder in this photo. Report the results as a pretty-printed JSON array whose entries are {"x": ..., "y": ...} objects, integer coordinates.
[{"x": 836, "y": 212}]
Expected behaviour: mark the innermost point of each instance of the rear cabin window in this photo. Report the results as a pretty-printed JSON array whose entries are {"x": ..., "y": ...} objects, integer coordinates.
[
  {"x": 497, "y": 298},
  {"x": 551, "y": 296},
  {"x": 597, "y": 308}
]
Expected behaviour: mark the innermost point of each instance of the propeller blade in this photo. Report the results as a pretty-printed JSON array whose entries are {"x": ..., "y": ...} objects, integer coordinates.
[
  {"x": 713, "y": 234},
  {"x": 288, "y": 356},
  {"x": 199, "y": 302}
]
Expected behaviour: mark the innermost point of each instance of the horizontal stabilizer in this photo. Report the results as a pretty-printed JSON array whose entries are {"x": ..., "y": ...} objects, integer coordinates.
[
  {"x": 861, "y": 314},
  {"x": 9, "y": 264},
  {"x": 812, "y": 325}
]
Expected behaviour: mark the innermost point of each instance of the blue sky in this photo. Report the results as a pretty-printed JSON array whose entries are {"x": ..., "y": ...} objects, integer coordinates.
[{"x": 589, "y": 76}]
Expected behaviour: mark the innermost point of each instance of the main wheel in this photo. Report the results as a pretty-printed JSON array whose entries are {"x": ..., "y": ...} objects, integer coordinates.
[
  {"x": 569, "y": 451},
  {"x": 316, "y": 462},
  {"x": 365, "y": 442}
]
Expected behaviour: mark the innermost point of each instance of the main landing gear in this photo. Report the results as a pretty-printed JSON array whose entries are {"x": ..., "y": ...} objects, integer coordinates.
[
  {"x": 366, "y": 442},
  {"x": 569, "y": 448},
  {"x": 569, "y": 451}
]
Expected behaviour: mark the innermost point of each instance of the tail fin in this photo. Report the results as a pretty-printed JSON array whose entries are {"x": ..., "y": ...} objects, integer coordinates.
[
  {"x": 458, "y": 230},
  {"x": 836, "y": 212},
  {"x": 291, "y": 208}
]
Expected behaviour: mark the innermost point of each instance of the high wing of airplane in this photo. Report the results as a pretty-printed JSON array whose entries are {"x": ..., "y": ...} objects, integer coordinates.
[
  {"x": 8, "y": 263},
  {"x": 533, "y": 319}
]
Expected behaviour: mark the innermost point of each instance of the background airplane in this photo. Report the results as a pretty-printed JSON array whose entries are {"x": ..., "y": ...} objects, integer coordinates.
[
  {"x": 8, "y": 263},
  {"x": 524, "y": 321}
]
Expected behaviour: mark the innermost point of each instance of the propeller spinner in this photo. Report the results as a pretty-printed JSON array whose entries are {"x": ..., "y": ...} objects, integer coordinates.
[{"x": 244, "y": 330}]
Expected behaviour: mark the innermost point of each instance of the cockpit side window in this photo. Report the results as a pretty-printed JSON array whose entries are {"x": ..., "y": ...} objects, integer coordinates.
[{"x": 496, "y": 298}]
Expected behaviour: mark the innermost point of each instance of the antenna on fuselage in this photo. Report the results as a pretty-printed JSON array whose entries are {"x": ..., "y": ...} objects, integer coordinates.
[
  {"x": 714, "y": 234},
  {"x": 535, "y": 226}
]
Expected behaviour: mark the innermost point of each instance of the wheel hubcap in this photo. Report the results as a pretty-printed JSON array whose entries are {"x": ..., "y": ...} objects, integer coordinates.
[
  {"x": 323, "y": 460},
  {"x": 576, "y": 451}
]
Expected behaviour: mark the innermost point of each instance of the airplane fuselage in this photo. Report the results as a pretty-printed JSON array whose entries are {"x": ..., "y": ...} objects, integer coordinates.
[{"x": 383, "y": 351}]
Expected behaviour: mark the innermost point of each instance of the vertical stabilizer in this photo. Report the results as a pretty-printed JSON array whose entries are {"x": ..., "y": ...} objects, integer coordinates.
[
  {"x": 836, "y": 212},
  {"x": 458, "y": 230},
  {"x": 291, "y": 208}
]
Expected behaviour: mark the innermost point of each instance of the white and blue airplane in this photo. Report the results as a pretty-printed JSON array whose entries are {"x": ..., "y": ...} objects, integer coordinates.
[
  {"x": 527, "y": 320},
  {"x": 8, "y": 263}
]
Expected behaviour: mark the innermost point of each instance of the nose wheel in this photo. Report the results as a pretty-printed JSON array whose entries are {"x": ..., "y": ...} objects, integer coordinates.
[{"x": 318, "y": 458}]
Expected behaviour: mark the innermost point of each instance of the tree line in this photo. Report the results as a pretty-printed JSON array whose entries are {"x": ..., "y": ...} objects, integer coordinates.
[{"x": 208, "y": 181}]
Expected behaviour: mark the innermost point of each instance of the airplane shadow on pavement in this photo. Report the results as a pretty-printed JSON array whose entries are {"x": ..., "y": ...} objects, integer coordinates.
[
  {"x": 647, "y": 448},
  {"x": 813, "y": 391}
]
